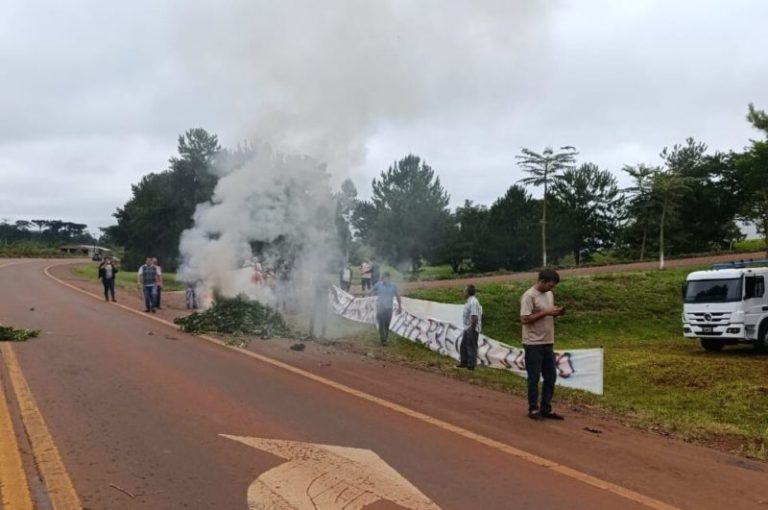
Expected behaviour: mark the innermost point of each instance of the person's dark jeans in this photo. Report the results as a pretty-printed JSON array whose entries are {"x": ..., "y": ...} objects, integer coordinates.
[
  {"x": 365, "y": 283},
  {"x": 468, "y": 348},
  {"x": 540, "y": 362},
  {"x": 109, "y": 288},
  {"x": 158, "y": 294},
  {"x": 150, "y": 293},
  {"x": 383, "y": 318}
]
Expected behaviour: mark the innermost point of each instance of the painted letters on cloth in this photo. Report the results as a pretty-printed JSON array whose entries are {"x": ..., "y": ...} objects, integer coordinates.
[{"x": 579, "y": 368}]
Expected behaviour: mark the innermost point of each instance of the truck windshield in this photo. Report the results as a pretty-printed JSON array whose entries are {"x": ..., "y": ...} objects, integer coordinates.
[{"x": 713, "y": 291}]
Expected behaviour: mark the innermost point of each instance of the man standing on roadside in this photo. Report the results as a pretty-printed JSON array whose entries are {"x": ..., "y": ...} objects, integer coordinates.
[
  {"x": 537, "y": 313},
  {"x": 473, "y": 319},
  {"x": 147, "y": 281},
  {"x": 386, "y": 292}
]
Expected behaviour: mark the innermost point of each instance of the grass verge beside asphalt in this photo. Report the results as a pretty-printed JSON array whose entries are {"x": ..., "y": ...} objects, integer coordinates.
[
  {"x": 125, "y": 280},
  {"x": 654, "y": 378}
]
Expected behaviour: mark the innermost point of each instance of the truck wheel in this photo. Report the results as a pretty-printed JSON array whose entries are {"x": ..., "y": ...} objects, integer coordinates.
[
  {"x": 761, "y": 344},
  {"x": 712, "y": 345}
]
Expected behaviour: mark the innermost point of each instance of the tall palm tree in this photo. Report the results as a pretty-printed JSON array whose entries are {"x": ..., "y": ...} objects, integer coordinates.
[
  {"x": 543, "y": 169},
  {"x": 668, "y": 187},
  {"x": 641, "y": 196}
]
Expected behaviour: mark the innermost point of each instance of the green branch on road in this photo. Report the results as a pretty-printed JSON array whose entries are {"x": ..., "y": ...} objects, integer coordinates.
[
  {"x": 235, "y": 316},
  {"x": 10, "y": 334}
]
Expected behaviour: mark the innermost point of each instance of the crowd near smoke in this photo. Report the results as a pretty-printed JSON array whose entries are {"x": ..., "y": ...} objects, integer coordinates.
[{"x": 271, "y": 212}]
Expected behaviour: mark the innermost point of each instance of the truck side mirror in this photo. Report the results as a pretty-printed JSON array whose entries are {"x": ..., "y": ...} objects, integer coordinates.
[{"x": 684, "y": 290}]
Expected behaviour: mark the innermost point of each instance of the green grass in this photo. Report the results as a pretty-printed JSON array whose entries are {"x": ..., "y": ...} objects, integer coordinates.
[
  {"x": 443, "y": 272},
  {"x": 29, "y": 249},
  {"x": 749, "y": 245},
  {"x": 654, "y": 378},
  {"x": 126, "y": 279}
]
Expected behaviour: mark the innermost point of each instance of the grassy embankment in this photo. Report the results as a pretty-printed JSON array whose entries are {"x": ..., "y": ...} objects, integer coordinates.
[
  {"x": 654, "y": 378},
  {"x": 125, "y": 279}
]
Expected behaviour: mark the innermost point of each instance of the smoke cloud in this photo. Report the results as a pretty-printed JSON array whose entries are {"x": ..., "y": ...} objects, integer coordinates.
[{"x": 320, "y": 78}]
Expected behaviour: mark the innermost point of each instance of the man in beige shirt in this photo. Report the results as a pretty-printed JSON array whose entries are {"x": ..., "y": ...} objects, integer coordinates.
[{"x": 537, "y": 313}]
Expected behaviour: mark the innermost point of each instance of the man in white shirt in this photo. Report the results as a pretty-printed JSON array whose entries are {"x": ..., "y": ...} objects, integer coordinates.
[{"x": 473, "y": 320}]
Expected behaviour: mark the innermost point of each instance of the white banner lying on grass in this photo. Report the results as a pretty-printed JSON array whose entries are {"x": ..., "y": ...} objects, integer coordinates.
[{"x": 435, "y": 325}]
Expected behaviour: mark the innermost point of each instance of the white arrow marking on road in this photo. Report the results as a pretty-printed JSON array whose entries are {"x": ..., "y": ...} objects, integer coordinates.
[{"x": 323, "y": 477}]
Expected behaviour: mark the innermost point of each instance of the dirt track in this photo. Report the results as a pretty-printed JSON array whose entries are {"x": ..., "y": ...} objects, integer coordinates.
[
  {"x": 635, "y": 266},
  {"x": 140, "y": 405}
]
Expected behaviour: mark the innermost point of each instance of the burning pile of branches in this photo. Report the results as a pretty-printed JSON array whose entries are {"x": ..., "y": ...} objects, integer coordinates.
[
  {"x": 235, "y": 316},
  {"x": 9, "y": 334}
]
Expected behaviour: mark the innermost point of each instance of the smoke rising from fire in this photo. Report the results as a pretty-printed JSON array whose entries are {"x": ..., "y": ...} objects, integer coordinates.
[{"x": 320, "y": 78}]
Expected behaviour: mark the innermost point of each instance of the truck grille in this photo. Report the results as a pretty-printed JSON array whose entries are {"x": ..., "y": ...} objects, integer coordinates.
[{"x": 710, "y": 318}]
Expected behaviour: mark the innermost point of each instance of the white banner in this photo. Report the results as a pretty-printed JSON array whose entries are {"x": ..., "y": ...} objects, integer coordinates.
[{"x": 437, "y": 327}]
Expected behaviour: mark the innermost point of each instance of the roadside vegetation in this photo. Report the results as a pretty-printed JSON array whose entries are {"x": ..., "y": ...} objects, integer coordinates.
[
  {"x": 654, "y": 378},
  {"x": 29, "y": 249},
  {"x": 11, "y": 334},
  {"x": 126, "y": 278}
]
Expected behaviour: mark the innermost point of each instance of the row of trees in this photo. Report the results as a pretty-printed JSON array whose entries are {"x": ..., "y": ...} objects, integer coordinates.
[
  {"x": 48, "y": 232},
  {"x": 690, "y": 203}
]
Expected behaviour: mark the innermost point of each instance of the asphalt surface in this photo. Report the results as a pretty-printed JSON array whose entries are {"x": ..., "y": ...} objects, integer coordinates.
[{"x": 137, "y": 410}]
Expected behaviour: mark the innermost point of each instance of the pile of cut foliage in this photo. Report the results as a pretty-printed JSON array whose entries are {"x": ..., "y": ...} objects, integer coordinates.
[
  {"x": 235, "y": 316},
  {"x": 9, "y": 334}
]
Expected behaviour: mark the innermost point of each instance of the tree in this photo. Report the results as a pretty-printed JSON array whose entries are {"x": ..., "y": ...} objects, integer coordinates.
[
  {"x": 589, "y": 199},
  {"x": 749, "y": 176},
  {"x": 512, "y": 226},
  {"x": 668, "y": 186},
  {"x": 543, "y": 169},
  {"x": 162, "y": 204},
  {"x": 407, "y": 213},
  {"x": 758, "y": 118},
  {"x": 641, "y": 199},
  {"x": 466, "y": 240}
]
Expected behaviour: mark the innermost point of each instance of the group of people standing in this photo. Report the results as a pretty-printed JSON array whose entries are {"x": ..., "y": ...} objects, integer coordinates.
[
  {"x": 370, "y": 275},
  {"x": 150, "y": 282},
  {"x": 537, "y": 314}
]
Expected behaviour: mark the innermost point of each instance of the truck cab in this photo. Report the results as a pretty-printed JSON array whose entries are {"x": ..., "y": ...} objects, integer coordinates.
[{"x": 727, "y": 305}]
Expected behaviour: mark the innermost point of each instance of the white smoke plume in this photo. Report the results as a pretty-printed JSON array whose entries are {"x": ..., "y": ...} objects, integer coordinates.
[
  {"x": 275, "y": 212},
  {"x": 321, "y": 78}
]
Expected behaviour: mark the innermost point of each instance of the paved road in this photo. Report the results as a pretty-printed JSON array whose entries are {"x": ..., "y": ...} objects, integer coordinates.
[{"x": 136, "y": 411}]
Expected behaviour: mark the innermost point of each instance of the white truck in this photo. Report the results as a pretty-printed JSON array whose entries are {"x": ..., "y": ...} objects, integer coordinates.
[{"x": 727, "y": 305}]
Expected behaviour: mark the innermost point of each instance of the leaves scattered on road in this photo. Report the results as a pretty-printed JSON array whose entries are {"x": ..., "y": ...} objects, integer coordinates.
[
  {"x": 236, "y": 316},
  {"x": 10, "y": 334}
]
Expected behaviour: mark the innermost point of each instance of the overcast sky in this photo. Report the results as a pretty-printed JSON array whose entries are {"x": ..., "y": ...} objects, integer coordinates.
[{"x": 94, "y": 94}]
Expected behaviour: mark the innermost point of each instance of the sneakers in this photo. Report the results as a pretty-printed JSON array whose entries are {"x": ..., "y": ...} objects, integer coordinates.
[{"x": 535, "y": 415}]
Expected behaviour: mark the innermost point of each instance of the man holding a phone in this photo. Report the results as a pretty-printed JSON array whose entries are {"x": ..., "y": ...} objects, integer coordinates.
[{"x": 537, "y": 313}]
